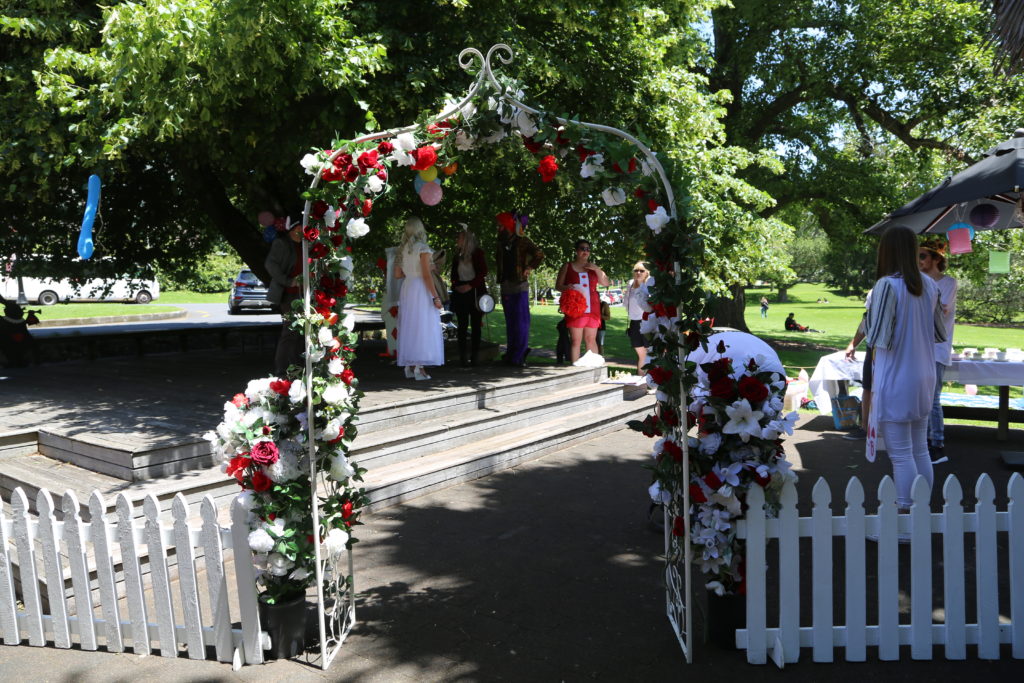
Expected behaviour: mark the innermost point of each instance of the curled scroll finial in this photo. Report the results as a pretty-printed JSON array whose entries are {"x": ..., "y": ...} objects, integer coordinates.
[{"x": 469, "y": 57}]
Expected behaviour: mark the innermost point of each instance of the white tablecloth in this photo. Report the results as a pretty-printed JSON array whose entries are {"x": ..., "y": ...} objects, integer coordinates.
[{"x": 835, "y": 367}]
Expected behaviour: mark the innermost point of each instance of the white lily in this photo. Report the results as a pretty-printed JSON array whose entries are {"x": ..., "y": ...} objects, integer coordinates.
[{"x": 743, "y": 420}]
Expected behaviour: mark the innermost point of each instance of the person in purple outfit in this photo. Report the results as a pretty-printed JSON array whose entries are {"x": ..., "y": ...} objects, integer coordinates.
[{"x": 515, "y": 259}]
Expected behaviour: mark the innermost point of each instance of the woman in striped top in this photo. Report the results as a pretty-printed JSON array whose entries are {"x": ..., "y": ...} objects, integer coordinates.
[{"x": 904, "y": 321}]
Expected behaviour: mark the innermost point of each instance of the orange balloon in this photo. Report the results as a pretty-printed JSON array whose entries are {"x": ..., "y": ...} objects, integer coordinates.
[{"x": 451, "y": 168}]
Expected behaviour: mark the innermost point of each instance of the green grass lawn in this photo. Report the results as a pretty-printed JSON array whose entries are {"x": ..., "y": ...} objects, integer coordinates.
[
  {"x": 69, "y": 311},
  {"x": 182, "y": 297}
]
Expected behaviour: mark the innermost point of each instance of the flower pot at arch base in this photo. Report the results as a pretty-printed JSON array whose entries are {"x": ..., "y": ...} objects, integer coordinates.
[{"x": 285, "y": 623}]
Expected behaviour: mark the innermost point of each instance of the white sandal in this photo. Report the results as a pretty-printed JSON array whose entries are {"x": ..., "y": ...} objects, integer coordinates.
[
  {"x": 409, "y": 372},
  {"x": 421, "y": 374}
]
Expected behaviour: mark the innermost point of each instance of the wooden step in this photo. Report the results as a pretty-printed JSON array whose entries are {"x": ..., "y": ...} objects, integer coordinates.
[
  {"x": 447, "y": 431},
  {"x": 481, "y": 394},
  {"x": 401, "y": 481}
]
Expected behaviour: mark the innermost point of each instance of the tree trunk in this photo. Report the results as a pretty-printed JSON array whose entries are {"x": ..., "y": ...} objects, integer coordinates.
[
  {"x": 783, "y": 294},
  {"x": 729, "y": 311},
  {"x": 232, "y": 223}
]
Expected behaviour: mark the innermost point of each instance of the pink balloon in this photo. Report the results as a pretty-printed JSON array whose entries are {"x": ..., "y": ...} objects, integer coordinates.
[
  {"x": 265, "y": 218},
  {"x": 971, "y": 389},
  {"x": 431, "y": 193}
]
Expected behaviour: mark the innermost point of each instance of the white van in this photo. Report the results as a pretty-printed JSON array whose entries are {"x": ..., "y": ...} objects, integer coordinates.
[{"x": 48, "y": 291}]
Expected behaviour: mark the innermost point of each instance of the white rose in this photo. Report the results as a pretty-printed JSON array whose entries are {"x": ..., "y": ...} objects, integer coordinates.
[
  {"x": 258, "y": 388},
  {"x": 356, "y": 228},
  {"x": 312, "y": 164},
  {"x": 336, "y": 394},
  {"x": 325, "y": 336},
  {"x": 331, "y": 217},
  {"x": 297, "y": 392},
  {"x": 299, "y": 574},
  {"x": 345, "y": 264},
  {"x": 260, "y": 541},
  {"x": 332, "y": 430},
  {"x": 278, "y": 564},
  {"x": 316, "y": 353},
  {"x": 341, "y": 469},
  {"x": 405, "y": 142},
  {"x": 592, "y": 165},
  {"x": 374, "y": 185},
  {"x": 349, "y": 322},
  {"x": 614, "y": 196},
  {"x": 464, "y": 141},
  {"x": 657, "y": 220},
  {"x": 335, "y": 542},
  {"x": 335, "y": 366},
  {"x": 526, "y": 124}
]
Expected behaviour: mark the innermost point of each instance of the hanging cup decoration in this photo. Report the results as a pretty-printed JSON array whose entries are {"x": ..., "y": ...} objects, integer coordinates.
[
  {"x": 984, "y": 215},
  {"x": 960, "y": 236}
]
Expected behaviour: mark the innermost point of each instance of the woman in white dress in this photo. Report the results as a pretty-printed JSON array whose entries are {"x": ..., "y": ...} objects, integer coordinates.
[
  {"x": 903, "y": 323},
  {"x": 419, "y": 309}
]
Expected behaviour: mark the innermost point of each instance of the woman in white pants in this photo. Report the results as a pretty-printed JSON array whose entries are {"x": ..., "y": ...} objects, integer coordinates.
[{"x": 904, "y": 322}]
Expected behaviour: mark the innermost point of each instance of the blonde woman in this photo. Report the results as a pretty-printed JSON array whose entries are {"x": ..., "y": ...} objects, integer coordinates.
[
  {"x": 419, "y": 310},
  {"x": 636, "y": 305}
]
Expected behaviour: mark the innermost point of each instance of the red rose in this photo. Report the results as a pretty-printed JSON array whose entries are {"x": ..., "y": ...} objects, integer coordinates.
[
  {"x": 425, "y": 157},
  {"x": 382, "y": 174},
  {"x": 351, "y": 173},
  {"x": 368, "y": 160},
  {"x": 618, "y": 169},
  {"x": 240, "y": 400},
  {"x": 762, "y": 481},
  {"x": 318, "y": 250},
  {"x": 652, "y": 205},
  {"x": 385, "y": 147},
  {"x": 281, "y": 386},
  {"x": 724, "y": 388},
  {"x": 318, "y": 209},
  {"x": 342, "y": 161},
  {"x": 752, "y": 389},
  {"x": 548, "y": 168},
  {"x": 718, "y": 369},
  {"x": 236, "y": 467},
  {"x": 534, "y": 147},
  {"x": 639, "y": 193},
  {"x": 367, "y": 207},
  {"x": 672, "y": 449},
  {"x": 346, "y": 509},
  {"x": 697, "y": 494},
  {"x": 331, "y": 174},
  {"x": 679, "y": 527},
  {"x": 337, "y": 240},
  {"x": 583, "y": 152},
  {"x": 659, "y": 375},
  {"x": 712, "y": 480},
  {"x": 261, "y": 482},
  {"x": 311, "y": 233},
  {"x": 347, "y": 376},
  {"x": 265, "y": 453},
  {"x": 382, "y": 263},
  {"x": 669, "y": 417}
]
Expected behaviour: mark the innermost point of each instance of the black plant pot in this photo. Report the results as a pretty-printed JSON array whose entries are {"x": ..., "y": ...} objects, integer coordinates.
[
  {"x": 725, "y": 614},
  {"x": 285, "y": 622}
]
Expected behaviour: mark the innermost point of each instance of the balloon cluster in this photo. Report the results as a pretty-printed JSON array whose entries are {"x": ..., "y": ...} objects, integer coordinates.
[{"x": 428, "y": 182}]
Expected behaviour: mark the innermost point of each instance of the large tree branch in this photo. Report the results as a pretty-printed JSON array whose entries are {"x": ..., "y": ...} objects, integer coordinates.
[
  {"x": 776, "y": 108},
  {"x": 902, "y": 130}
]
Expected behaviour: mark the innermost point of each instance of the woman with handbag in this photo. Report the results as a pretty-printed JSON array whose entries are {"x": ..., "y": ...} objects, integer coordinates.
[{"x": 469, "y": 268}]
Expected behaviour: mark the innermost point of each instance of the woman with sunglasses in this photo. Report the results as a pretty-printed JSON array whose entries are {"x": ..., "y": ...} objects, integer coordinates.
[
  {"x": 584, "y": 276},
  {"x": 931, "y": 259},
  {"x": 636, "y": 305}
]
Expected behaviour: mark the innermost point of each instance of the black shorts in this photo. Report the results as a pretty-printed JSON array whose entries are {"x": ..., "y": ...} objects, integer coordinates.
[
  {"x": 633, "y": 332},
  {"x": 869, "y": 358}
]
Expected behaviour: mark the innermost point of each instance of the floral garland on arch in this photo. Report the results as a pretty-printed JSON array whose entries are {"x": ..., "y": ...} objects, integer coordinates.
[{"x": 261, "y": 441}]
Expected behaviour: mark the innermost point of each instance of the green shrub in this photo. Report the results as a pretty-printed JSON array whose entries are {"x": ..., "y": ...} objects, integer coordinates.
[{"x": 211, "y": 274}]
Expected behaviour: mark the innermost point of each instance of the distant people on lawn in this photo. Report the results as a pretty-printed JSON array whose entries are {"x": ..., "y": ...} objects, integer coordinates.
[
  {"x": 582, "y": 275},
  {"x": 516, "y": 258},
  {"x": 636, "y": 305},
  {"x": 931, "y": 257},
  {"x": 420, "y": 343},
  {"x": 284, "y": 263},
  {"x": 793, "y": 326},
  {"x": 764, "y": 307},
  {"x": 905, "y": 320}
]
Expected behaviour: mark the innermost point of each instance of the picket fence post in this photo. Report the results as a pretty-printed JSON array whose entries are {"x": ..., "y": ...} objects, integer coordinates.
[
  {"x": 1015, "y": 526},
  {"x": 189, "y": 588},
  {"x": 789, "y": 573},
  {"x": 856, "y": 581},
  {"x": 757, "y": 637},
  {"x": 821, "y": 571},
  {"x": 103, "y": 544},
  {"x": 216, "y": 581},
  {"x": 8, "y": 616},
  {"x": 920, "y": 570},
  {"x": 953, "y": 569},
  {"x": 23, "y": 539},
  {"x": 888, "y": 573},
  {"x": 987, "y": 576}
]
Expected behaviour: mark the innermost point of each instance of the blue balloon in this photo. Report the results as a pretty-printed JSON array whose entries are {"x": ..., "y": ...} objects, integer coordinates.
[
  {"x": 418, "y": 182},
  {"x": 92, "y": 205}
]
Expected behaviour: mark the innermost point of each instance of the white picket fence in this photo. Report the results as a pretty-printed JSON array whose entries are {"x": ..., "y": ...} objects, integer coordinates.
[
  {"x": 72, "y": 546},
  {"x": 987, "y": 632}
]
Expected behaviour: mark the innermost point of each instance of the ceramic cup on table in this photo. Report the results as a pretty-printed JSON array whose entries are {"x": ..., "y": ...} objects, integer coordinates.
[
  {"x": 1000, "y": 355},
  {"x": 956, "y": 356},
  {"x": 969, "y": 353},
  {"x": 990, "y": 353}
]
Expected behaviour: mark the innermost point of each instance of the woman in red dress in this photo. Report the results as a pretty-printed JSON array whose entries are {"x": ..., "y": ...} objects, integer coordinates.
[{"x": 583, "y": 276}]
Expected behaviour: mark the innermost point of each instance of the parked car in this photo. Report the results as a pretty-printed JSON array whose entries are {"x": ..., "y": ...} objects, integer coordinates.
[
  {"x": 614, "y": 296},
  {"x": 247, "y": 291},
  {"x": 47, "y": 291}
]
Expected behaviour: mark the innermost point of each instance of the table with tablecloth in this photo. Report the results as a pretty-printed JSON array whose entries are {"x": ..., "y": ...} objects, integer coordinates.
[{"x": 834, "y": 370}]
